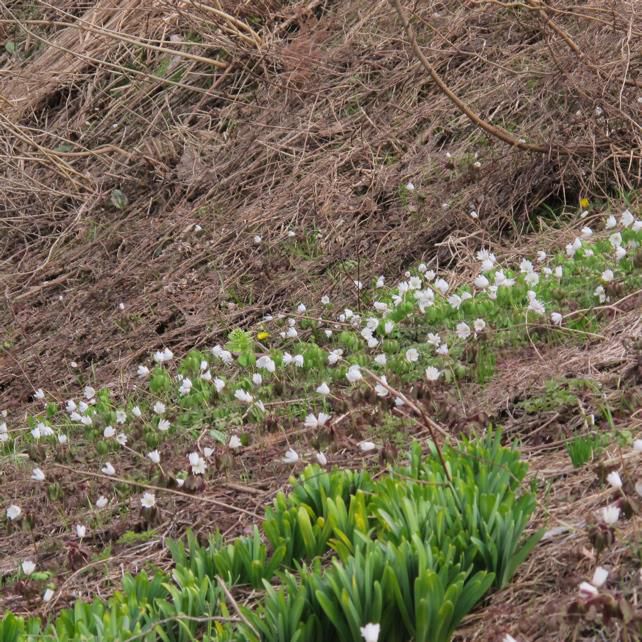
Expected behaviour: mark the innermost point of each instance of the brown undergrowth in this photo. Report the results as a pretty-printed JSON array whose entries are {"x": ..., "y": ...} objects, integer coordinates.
[{"x": 269, "y": 119}]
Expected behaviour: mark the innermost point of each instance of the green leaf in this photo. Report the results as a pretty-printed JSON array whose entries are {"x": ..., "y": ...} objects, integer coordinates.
[{"x": 118, "y": 199}]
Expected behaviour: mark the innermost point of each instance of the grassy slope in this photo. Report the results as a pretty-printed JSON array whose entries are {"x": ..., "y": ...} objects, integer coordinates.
[{"x": 345, "y": 118}]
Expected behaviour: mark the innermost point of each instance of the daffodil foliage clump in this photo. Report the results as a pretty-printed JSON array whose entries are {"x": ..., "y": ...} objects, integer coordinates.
[{"x": 412, "y": 553}]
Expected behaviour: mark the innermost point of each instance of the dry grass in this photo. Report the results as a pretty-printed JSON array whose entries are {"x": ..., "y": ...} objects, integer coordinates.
[{"x": 275, "y": 117}]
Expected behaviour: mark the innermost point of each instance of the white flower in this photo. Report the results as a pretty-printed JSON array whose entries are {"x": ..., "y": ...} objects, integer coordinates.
[
  {"x": 454, "y": 301},
  {"x": 301, "y": 308},
  {"x": 615, "y": 239},
  {"x": 298, "y": 360},
  {"x": 325, "y": 300},
  {"x": 109, "y": 432},
  {"x": 266, "y": 363},
  {"x": 257, "y": 239},
  {"x": 235, "y": 442},
  {"x": 163, "y": 355},
  {"x": 366, "y": 446},
  {"x": 381, "y": 389},
  {"x": 610, "y": 514},
  {"x": 508, "y": 638},
  {"x": 587, "y": 591},
  {"x": 62, "y": 439},
  {"x": 86, "y": 420},
  {"x": 607, "y": 276},
  {"x": 143, "y": 371},
  {"x": 291, "y": 333},
  {"x": 334, "y": 356},
  {"x": 556, "y": 318},
  {"x": 121, "y": 438},
  {"x": 620, "y": 253},
  {"x": 89, "y": 392},
  {"x": 243, "y": 395},
  {"x": 534, "y": 305},
  {"x": 208, "y": 452},
  {"x": 473, "y": 213},
  {"x": 13, "y": 512},
  {"x": 39, "y": 394},
  {"x": 599, "y": 577},
  {"x": 525, "y": 266},
  {"x": 442, "y": 285},
  {"x": 197, "y": 463},
  {"x": 614, "y": 480},
  {"x": 323, "y": 389},
  {"x": 380, "y": 282},
  {"x": 121, "y": 416},
  {"x": 159, "y": 408},
  {"x": 433, "y": 339},
  {"x": 432, "y": 373},
  {"x": 321, "y": 458},
  {"x": 442, "y": 349},
  {"x": 101, "y": 502},
  {"x": 600, "y": 293},
  {"x": 206, "y": 376},
  {"x": 108, "y": 469},
  {"x": 154, "y": 456},
  {"x": 479, "y": 325},
  {"x": 637, "y": 445},
  {"x": 257, "y": 379},
  {"x": 81, "y": 531},
  {"x": 163, "y": 425},
  {"x": 410, "y": 186},
  {"x": 219, "y": 384},
  {"x": 148, "y": 500},
  {"x": 627, "y": 219},
  {"x": 291, "y": 456},
  {"x": 186, "y": 386},
  {"x": 318, "y": 421},
  {"x": 541, "y": 255},
  {"x": 354, "y": 374},
  {"x": 37, "y": 474},
  {"x": 381, "y": 359},
  {"x": 463, "y": 331},
  {"x": 70, "y": 406},
  {"x": 28, "y": 567},
  {"x": 412, "y": 355},
  {"x": 481, "y": 282},
  {"x": 610, "y": 222},
  {"x": 587, "y": 232},
  {"x": 370, "y": 632},
  {"x": 532, "y": 279},
  {"x": 136, "y": 411},
  {"x": 573, "y": 247}
]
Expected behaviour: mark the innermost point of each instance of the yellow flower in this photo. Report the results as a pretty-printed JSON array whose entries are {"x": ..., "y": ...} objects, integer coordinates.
[
  {"x": 584, "y": 203},
  {"x": 262, "y": 335}
]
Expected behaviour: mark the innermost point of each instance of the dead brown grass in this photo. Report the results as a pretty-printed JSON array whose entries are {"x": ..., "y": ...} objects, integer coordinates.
[{"x": 274, "y": 117}]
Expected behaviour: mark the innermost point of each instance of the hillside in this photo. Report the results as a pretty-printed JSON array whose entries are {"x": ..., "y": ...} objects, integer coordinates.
[{"x": 236, "y": 238}]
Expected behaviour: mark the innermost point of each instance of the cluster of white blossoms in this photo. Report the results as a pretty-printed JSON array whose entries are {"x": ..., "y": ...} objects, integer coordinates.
[{"x": 423, "y": 292}]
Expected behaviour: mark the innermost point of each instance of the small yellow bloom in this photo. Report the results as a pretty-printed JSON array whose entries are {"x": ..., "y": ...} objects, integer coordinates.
[
  {"x": 262, "y": 335},
  {"x": 584, "y": 203}
]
